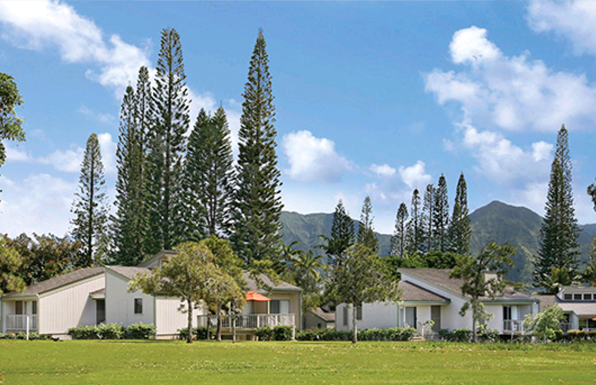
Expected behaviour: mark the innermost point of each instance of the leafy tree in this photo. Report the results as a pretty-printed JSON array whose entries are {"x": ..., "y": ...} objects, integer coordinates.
[
  {"x": 440, "y": 260},
  {"x": 257, "y": 203},
  {"x": 89, "y": 206},
  {"x": 230, "y": 290},
  {"x": 398, "y": 240},
  {"x": 10, "y": 263},
  {"x": 10, "y": 124},
  {"x": 460, "y": 229},
  {"x": 592, "y": 192},
  {"x": 45, "y": 256},
  {"x": 558, "y": 246},
  {"x": 305, "y": 268},
  {"x": 545, "y": 324},
  {"x": 362, "y": 277},
  {"x": 428, "y": 217},
  {"x": 342, "y": 234},
  {"x": 416, "y": 225},
  {"x": 127, "y": 222},
  {"x": 494, "y": 259},
  {"x": 285, "y": 256},
  {"x": 170, "y": 106},
  {"x": 366, "y": 232},
  {"x": 441, "y": 215},
  {"x": 190, "y": 275},
  {"x": 589, "y": 274}
]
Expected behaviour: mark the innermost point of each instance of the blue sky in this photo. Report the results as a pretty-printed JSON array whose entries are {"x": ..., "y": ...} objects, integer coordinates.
[{"x": 373, "y": 98}]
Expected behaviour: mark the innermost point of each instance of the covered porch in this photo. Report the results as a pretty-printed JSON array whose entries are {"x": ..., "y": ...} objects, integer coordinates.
[{"x": 19, "y": 315}]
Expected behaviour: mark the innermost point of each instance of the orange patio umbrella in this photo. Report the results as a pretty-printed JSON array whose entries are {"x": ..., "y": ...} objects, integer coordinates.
[{"x": 254, "y": 296}]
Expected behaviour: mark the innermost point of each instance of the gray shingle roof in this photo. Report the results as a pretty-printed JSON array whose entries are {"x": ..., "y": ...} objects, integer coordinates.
[
  {"x": 251, "y": 284},
  {"x": 59, "y": 281},
  {"x": 129, "y": 271},
  {"x": 327, "y": 316},
  {"x": 440, "y": 277},
  {"x": 414, "y": 293}
]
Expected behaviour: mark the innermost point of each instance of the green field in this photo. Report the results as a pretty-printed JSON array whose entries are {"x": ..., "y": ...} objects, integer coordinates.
[{"x": 174, "y": 362}]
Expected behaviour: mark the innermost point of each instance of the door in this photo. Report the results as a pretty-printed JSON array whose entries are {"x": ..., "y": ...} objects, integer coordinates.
[
  {"x": 100, "y": 311},
  {"x": 411, "y": 317},
  {"x": 435, "y": 316}
]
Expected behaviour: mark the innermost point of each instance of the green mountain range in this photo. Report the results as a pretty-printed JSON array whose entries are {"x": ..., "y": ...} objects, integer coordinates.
[{"x": 496, "y": 221}]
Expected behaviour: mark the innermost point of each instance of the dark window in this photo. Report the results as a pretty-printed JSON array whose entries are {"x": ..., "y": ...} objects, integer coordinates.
[
  {"x": 18, "y": 305},
  {"x": 568, "y": 297},
  {"x": 587, "y": 297},
  {"x": 345, "y": 316},
  {"x": 274, "y": 306},
  {"x": 577, "y": 297},
  {"x": 318, "y": 326},
  {"x": 100, "y": 311},
  {"x": 506, "y": 313},
  {"x": 34, "y": 307},
  {"x": 359, "y": 312},
  {"x": 138, "y": 305}
]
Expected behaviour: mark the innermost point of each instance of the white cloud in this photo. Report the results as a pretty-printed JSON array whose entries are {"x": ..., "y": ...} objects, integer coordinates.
[
  {"x": 415, "y": 176},
  {"x": 383, "y": 170},
  {"x": 14, "y": 154},
  {"x": 573, "y": 20},
  {"x": 103, "y": 118},
  {"x": 67, "y": 160},
  {"x": 511, "y": 93},
  {"x": 312, "y": 158},
  {"x": 48, "y": 24},
  {"x": 108, "y": 153},
  {"x": 39, "y": 203}
]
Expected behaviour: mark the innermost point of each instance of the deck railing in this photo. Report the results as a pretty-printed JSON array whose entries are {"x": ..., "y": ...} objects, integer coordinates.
[
  {"x": 18, "y": 322},
  {"x": 249, "y": 321},
  {"x": 513, "y": 326}
]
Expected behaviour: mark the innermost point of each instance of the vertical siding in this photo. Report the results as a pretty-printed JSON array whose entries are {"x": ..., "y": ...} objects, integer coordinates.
[
  {"x": 120, "y": 303},
  {"x": 70, "y": 307},
  {"x": 169, "y": 319},
  {"x": 295, "y": 307}
]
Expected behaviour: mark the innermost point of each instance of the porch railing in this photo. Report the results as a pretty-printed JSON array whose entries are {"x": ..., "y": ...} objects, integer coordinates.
[
  {"x": 18, "y": 322},
  {"x": 249, "y": 321},
  {"x": 513, "y": 326}
]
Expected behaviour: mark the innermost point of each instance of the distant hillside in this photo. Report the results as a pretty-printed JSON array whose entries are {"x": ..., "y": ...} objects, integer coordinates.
[{"x": 496, "y": 221}]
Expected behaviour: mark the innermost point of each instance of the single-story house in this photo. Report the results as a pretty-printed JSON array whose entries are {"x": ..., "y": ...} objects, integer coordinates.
[
  {"x": 431, "y": 300},
  {"x": 319, "y": 319},
  {"x": 578, "y": 304},
  {"x": 97, "y": 295}
]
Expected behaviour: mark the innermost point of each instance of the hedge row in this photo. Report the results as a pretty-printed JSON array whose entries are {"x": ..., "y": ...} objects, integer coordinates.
[
  {"x": 199, "y": 333},
  {"x": 278, "y": 333},
  {"x": 391, "y": 334},
  {"x": 113, "y": 332},
  {"x": 465, "y": 335},
  {"x": 23, "y": 336},
  {"x": 576, "y": 335}
]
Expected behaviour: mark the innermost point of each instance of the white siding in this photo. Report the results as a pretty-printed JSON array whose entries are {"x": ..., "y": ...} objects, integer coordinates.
[
  {"x": 120, "y": 303},
  {"x": 169, "y": 319},
  {"x": 68, "y": 307},
  {"x": 374, "y": 315}
]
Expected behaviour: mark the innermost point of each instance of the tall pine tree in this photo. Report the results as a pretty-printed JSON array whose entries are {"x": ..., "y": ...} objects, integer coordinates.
[
  {"x": 366, "y": 232},
  {"x": 398, "y": 240},
  {"x": 416, "y": 225},
  {"x": 89, "y": 206},
  {"x": 428, "y": 217},
  {"x": 342, "y": 234},
  {"x": 257, "y": 203},
  {"x": 460, "y": 229},
  {"x": 167, "y": 143},
  {"x": 127, "y": 230},
  {"x": 441, "y": 215},
  {"x": 558, "y": 255}
]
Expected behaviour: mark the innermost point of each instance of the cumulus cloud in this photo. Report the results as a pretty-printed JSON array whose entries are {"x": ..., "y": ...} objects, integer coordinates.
[
  {"x": 510, "y": 92},
  {"x": 572, "y": 20},
  {"x": 46, "y": 24},
  {"x": 103, "y": 118},
  {"x": 415, "y": 176},
  {"x": 39, "y": 203},
  {"x": 108, "y": 152},
  {"x": 312, "y": 158},
  {"x": 383, "y": 170}
]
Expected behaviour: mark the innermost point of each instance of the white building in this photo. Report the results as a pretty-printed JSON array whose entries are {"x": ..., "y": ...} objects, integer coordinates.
[
  {"x": 578, "y": 304},
  {"x": 431, "y": 295}
]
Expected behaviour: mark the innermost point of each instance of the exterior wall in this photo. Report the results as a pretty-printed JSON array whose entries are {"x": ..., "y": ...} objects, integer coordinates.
[
  {"x": 295, "y": 305},
  {"x": 374, "y": 315},
  {"x": 312, "y": 321},
  {"x": 68, "y": 307},
  {"x": 497, "y": 321},
  {"x": 120, "y": 303},
  {"x": 169, "y": 319}
]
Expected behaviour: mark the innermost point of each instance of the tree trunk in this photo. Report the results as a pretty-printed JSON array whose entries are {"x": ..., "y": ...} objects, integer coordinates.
[
  {"x": 474, "y": 333},
  {"x": 219, "y": 321},
  {"x": 355, "y": 325},
  {"x": 189, "y": 337},
  {"x": 233, "y": 320}
]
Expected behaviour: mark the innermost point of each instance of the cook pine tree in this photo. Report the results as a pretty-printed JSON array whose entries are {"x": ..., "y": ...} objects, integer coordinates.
[
  {"x": 460, "y": 230},
  {"x": 415, "y": 231},
  {"x": 440, "y": 216},
  {"x": 89, "y": 206},
  {"x": 342, "y": 235},
  {"x": 257, "y": 200},
  {"x": 366, "y": 232},
  {"x": 399, "y": 238},
  {"x": 557, "y": 262}
]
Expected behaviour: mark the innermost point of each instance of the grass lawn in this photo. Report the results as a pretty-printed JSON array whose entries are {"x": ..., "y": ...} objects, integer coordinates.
[{"x": 174, "y": 362}]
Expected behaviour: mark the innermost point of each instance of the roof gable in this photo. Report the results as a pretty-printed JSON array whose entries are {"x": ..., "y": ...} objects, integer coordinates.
[{"x": 58, "y": 282}]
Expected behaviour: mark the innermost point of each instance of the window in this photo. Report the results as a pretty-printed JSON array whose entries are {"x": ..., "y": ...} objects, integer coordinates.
[
  {"x": 577, "y": 297},
  {"x": 411, "y": 317},
  {"x": 359, "y": 312},
  {"x": 568, "y": 297},
  {"x": 587, "y": 297},
  {"x": 138, "y": 305},
  {"x": 34, "y": 307},
  {"x": 345, "y": 316},
  {"x": 506, "y": 313},
  {"x": 18, "y": 307},
  {"x": 279, "y": 306}
]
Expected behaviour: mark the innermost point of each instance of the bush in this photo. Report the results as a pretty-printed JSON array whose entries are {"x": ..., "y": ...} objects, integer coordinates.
[
  {"x": 201, "y": 332},
  {"x": 140, "y": 331},
  {"x": 110, "y": 331},
  {"x": 282, "y": 333},
  {"x": 373, "y": 334},
  {"x": 487, "y": 335},
  {"x": 264, "y": 333},
  {"x": 457, "y": 335},
  {"x": 84, "y": 333}
]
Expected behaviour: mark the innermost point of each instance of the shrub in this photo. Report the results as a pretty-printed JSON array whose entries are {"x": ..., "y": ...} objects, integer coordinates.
[
  {"x": 373, "y": 334},
  {"x": 140, "y": 331},
  {"x": 487, "y": 335},
  {"x": 457, "y": 335},
  {"x": 264, "y": 333},
  {"x": 201, "y": 332},
  {"x": 110, "y": 331},
  {"x": 282, "y": 333},
  {"x": 84, "y": 333}
]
